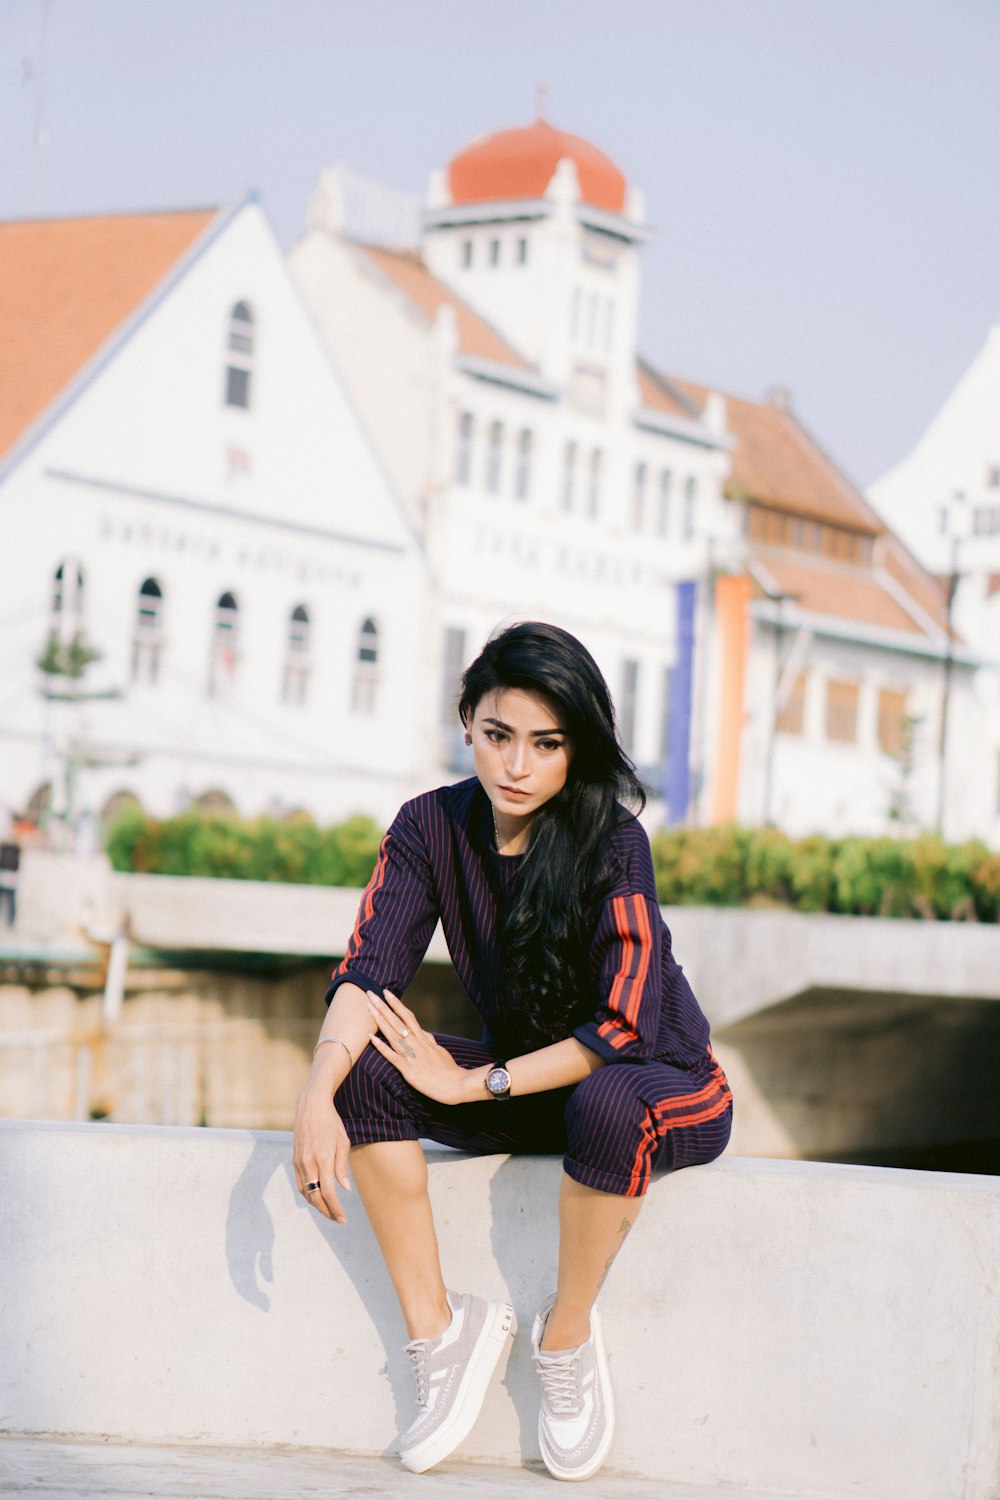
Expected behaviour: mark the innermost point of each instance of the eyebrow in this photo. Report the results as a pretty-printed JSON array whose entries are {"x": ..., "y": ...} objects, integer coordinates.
[{"x": 543, "y": 734}]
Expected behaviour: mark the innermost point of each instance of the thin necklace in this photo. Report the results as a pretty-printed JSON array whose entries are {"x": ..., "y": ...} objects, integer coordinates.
[{"x": 496, "y": 831}]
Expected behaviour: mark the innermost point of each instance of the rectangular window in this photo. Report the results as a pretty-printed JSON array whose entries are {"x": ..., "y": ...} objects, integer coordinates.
[
  {"x": 842, "y": 712},
  {"x": 463, "y": 449},
  {"x": 627, "y": 704},
  {"x": 594, "y": 488},
  {"x": 494, "y": 458},
  {"x": 237, "y": 386},
  {"x": 639, "y": 497},
  {"x": 690, "y": 500},
  {"x": 522, "y": 478},
  {"x": 792, "y": 716},
  {"x": 294, "y": 683},
  {"x": 494, "y": 252},
  {"x": 574, "y": 324},
  {"x": 663, "y": 506},
  {"x": 592, "y": 315},
  {"x": 569, "y": 477},
  {"x": 522, "y": 252},
  {"x": 892, "y": 722},
  {"x": 664, "y": 745},
  {"x": 609, "y": 325},
  {"x": 467, "y": 254},
  {"x": 451, "y": 677}
]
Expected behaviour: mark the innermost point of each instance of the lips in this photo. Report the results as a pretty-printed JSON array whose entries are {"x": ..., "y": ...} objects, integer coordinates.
[{"x": 512, "y": 791}]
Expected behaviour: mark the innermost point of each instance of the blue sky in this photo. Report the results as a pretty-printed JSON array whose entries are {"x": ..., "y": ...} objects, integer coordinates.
[{"x": 821, "y": 175}]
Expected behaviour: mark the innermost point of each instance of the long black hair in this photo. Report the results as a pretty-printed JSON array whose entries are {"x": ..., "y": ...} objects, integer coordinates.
[{"x": 544, "y": 941}]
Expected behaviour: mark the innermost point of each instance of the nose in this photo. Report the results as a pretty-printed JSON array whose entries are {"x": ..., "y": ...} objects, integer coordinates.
[{"x": 516, "y": 764}]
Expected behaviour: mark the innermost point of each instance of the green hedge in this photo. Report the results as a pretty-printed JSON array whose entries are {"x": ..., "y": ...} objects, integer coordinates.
[
  {"x": 918, "y": 877},
  {"x": 723, "y": 866},
  {"x": 233, "y": 849}
]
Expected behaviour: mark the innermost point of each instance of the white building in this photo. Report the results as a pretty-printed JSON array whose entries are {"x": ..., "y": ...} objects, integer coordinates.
[
  {"x": 184, "y": 487},
  {"x": 548, "y": 473},
  {"x": 771, "y": 646},
  {"x": 944, "y": 499}
]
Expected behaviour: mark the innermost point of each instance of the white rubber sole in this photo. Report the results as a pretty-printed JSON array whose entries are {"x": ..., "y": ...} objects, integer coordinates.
[
  {"x": 598, "y": 1457},
  {"x": 497, "y": 1331}
]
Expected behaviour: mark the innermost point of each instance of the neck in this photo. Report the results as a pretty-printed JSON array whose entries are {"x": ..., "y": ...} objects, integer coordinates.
[{"x": 513, "y": 835}]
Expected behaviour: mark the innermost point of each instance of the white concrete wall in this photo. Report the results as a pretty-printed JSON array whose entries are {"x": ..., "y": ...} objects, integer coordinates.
[{"x": 815, "y": 1331}]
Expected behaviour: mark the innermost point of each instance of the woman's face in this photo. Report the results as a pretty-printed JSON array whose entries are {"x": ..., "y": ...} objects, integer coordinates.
[{"x": 521, "y": 750}]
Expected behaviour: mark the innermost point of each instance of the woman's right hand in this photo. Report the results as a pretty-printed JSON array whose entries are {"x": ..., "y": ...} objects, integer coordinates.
[{"x": 320, "y": 1150}]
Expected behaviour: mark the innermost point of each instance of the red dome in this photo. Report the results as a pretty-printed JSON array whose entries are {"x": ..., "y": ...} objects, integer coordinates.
[{"x": 520, "y": 163}]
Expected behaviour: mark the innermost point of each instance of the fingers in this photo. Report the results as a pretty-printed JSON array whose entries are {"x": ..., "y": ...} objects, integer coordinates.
[{"x": 395, "y": 1011}]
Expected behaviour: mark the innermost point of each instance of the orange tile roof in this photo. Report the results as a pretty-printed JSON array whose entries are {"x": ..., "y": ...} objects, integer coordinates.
[
  {"x": 65, "y": 286},
  {"x": 844, "y": 592},
  {"x": 777, "y": 463},
  {"x": 929, "y": 591},
  {"x": 520, "y": 163},
  {"x": 476, "y": 337},
  {"x": 660, "y": 394}
]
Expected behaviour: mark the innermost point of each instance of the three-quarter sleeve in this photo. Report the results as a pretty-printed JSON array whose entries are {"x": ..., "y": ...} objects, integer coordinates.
[
  {"x": 396, "y": 917},
  {"x": 626, "y": 959}
]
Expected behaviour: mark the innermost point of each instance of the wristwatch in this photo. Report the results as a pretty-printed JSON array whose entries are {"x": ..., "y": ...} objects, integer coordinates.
[{"x": 497, "y": 1081}]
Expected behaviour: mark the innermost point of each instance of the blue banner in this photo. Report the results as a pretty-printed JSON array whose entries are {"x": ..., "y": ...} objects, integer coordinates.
[{"x": 677, "y": 772}]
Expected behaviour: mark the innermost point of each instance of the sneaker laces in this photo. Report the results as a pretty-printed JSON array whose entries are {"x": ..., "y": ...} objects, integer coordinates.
[
  {"x": 418, "y": 1353},
  {"x": 560, "y": 1386}
]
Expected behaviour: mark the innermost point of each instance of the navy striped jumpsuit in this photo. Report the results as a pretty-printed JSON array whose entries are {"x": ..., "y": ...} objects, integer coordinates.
[{"x": 661, "y": 1103}]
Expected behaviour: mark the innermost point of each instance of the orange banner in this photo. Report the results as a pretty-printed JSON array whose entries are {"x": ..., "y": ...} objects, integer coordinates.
[{"x": 732, "y": 614}]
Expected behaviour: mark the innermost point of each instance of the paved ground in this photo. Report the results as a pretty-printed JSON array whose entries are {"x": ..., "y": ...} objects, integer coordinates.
[{"x": 47, "y": 1470}]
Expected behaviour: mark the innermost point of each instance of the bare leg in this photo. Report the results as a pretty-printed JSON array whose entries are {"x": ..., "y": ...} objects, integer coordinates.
[
  {"x": 391, "y": 1177},
  {"x": 592, "y": 1230}
]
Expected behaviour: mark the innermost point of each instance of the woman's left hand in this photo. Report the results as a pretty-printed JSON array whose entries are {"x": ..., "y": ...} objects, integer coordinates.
[{"x": 415, "y": 1053}]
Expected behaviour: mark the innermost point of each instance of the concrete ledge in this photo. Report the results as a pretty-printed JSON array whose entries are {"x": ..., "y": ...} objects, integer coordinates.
[{"x": 811, "y": 1331}]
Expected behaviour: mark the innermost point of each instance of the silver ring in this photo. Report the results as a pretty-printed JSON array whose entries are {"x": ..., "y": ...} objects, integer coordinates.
[
  {"x": 311, "y": 1187},
  {"x": 405, "y": 1031}
]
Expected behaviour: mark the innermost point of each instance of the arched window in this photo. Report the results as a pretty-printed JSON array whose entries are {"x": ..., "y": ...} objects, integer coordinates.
[
  {"x": 215, "y": 803},
  {"x": 147, "y": 634},
  {"x": 240, "y": 355},
  {"x": 494, "y": 458},
  {"x": 365, "y": 690},
  {"x": 67, "y": 593},
  {"x": 295, "y": 679},
  {"x": 118, "y": 803},
  {"x": 225, "y": 646}
]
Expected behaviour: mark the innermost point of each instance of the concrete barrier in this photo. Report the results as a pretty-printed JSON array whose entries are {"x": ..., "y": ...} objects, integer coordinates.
[{"x": 815, "y": 1331}]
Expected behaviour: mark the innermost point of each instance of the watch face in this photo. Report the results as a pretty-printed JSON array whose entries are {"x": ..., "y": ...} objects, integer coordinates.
[{"x": 498, "y": 1081}]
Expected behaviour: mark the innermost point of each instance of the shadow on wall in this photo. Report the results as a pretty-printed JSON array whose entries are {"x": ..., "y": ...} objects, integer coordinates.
[
  {"x": 250, "y": 1237},
  {"x": 878, "y": 1079}
]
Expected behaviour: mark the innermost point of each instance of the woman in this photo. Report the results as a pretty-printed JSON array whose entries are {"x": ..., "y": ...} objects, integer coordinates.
[{"x": 594, "y": 1045}]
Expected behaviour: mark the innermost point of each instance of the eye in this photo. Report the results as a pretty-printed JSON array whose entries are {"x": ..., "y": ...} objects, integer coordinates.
[
  {"x": 550, "y": 744},
  {"x": 495, "y": 736}
]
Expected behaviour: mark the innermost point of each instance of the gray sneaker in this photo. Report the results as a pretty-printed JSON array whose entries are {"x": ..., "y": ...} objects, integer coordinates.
[
  {"x": 453, "y": 1372},
  {"x": 577, "y": 1418}
]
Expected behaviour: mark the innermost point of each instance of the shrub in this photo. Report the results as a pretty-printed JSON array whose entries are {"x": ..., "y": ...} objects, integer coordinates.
[
  {"x": 919, "y": 877},
  {"x": 236, "y": 849}
]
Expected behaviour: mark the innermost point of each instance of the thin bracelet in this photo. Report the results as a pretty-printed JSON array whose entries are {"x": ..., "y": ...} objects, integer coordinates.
[{"x": 324, "y": 1039}]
